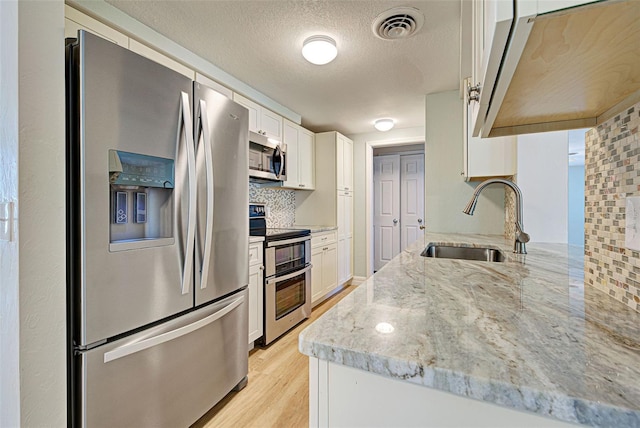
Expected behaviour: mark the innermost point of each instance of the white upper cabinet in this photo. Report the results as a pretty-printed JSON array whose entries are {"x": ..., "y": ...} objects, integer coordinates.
[
  {"x": 75, "y": 20},
  {"x": 344, "y": 154},
  {"x": 300, "y": 157},
  {"x": 214, "y": 85},
  {"x": 261, "y": 120},
  {"x": 486, "y": 157},
  {"x": 550, "y": 65},
  {"x": 306, "y": 159},
  {"x": 153, "y": 55},
  {"x": 491, "y": 24}
]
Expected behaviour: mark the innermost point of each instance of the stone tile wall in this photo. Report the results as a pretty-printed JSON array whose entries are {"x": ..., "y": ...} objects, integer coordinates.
[
  {"x": 510, "y": 211},
  {"x": 612, "y": 173},
  {"x": 281, "y": 203}
]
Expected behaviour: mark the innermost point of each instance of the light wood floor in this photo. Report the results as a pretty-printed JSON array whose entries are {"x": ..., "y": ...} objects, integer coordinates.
[{"x": 277, "y": 394}]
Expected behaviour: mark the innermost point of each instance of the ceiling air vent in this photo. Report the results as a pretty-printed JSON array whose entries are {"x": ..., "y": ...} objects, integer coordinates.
[{"x": 398, "y": 23}]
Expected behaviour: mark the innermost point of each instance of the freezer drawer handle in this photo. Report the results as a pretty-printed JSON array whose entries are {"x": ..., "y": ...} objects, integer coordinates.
[
  {"x": 133, "y": 348},
  {"x": 187, "y": 128}
]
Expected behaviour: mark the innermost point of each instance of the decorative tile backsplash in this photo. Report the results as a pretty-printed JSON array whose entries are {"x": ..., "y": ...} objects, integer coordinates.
[
  {"x": 510, "y": 211},
  {"x": 281, "y": 204},
  {"x": 612, "y": 174}
]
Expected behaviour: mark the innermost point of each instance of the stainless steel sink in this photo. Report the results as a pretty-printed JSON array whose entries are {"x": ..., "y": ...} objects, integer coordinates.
[{"x": 444, "y": 251}]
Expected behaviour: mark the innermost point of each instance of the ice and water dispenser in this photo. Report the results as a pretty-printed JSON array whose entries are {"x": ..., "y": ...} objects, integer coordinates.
[{"x": 141, "y": 200}]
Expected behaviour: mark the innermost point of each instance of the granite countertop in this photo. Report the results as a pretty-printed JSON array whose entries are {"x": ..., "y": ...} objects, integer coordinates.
[
  {"x": 526, "y": 333},
  {"x": 316, "y": 228}
]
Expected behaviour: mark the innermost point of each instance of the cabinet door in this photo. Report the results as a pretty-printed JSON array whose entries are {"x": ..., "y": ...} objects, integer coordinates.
[
  {"x": 317, "y": 277},
  {"x": 492, "y": 21},
  {"x": 254, "y": 111},
  {"x": 343, "y": 260},
  {"x": 347, "y": 166},
  {"x": 330, "y": 267},
  {"x": 214, "y": 85},
  {"x": 345, "y": 234},
  {"x": 306, "y": 161},
  {"x": 75, "y": 20},
  {"x": 487, "y": 157},
  {"x": 271, "y": 124},
  {"x": 153, "y": 55},
  {"x": 344, "y": 162},
  {"x": 291, "y": 136},
  {"x": 345, "y": 214},
  {"x": 255, "y": 302},
  {"x": 340, "y": 162}
]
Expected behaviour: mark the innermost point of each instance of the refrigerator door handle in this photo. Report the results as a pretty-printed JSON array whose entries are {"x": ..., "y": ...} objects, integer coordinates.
[
  {"x": 135, "y": 347},
  {"x": 187, "y": 128},
  {"x": 208, "y": 161}
]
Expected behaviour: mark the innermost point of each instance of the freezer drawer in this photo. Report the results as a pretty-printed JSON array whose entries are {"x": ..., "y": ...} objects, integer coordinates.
[{"x": 167, "y": 376}]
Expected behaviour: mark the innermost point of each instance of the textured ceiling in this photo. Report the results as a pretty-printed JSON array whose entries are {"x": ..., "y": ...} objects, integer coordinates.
[{"x": 259, "y": 43}]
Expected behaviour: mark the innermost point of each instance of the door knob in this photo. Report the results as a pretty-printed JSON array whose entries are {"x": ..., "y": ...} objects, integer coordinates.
[
  {"x": 395, "y": 221},
  {"x": 421, "y": 227}
]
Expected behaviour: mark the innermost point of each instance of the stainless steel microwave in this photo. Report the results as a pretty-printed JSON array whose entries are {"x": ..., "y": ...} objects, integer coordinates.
[{"x": 267, "y": 159}]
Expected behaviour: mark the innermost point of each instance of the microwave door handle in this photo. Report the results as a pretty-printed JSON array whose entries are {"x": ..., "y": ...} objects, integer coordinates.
[
  {"x": 277, "y": 153},
  {"x": 208, "y": 161},
  {"x": 185, "y": 128}
]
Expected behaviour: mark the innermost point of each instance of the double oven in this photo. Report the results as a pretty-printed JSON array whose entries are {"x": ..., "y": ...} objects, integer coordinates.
[{"x": 287, "y": 279}]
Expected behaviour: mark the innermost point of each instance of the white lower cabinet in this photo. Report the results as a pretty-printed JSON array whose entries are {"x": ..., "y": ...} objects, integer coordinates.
[
  {"x": 324, "y": 259},
  {"x": 256, "y": 292},
  {"x": 391, "y": 402}
]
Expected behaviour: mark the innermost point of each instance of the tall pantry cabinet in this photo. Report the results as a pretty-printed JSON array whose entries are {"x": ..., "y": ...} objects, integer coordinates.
[{"x": 331, "y": 204}]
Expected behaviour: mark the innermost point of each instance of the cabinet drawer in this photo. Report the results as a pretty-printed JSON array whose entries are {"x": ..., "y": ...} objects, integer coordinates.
[
  {"x": 322, "y": 238},
  {"x": 255, "y": 254}
]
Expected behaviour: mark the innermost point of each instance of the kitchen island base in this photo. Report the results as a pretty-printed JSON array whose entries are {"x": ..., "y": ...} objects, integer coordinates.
[{"x": 345, "y": 396}]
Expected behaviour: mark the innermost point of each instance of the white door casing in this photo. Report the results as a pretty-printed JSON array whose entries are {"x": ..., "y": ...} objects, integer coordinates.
[
  {"x": 411, "y": 198},
  {"x": 386, "y": 208}
]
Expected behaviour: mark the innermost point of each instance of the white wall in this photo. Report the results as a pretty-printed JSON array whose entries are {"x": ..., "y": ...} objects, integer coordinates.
[
  {"x": 41, "y": 176},
  {"x": 542, "y": 176},
  {"x": 576, "y": 205},
  {"x": 9, "y": 314},
  {"x": 361, "y": 187},
  {"x": 446, "y": 193}
]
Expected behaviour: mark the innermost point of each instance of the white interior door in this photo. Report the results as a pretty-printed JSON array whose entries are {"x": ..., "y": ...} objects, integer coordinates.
[
  {"x": 412, "y": 198},
  {"x": 386, "y": 206}
]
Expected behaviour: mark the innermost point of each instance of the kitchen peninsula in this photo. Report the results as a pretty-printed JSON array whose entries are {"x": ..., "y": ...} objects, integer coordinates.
[{"x": 444, "y": 342}]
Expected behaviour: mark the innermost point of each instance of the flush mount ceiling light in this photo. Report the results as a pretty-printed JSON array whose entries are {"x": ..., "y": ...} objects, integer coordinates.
[
  {"x": 319, "y": 50},
  {"x": 384, "y": 124}
]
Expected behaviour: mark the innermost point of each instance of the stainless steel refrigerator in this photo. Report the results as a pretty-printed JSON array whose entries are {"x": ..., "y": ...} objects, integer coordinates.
[{"x": 157, "y": 195}]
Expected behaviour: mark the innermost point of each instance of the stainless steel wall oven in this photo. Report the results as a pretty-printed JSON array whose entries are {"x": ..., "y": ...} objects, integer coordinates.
[{"x": 287, "y": 284}]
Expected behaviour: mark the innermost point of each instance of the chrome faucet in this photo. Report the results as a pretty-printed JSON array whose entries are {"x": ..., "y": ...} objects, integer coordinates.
[{"x": 521, "y": 237}]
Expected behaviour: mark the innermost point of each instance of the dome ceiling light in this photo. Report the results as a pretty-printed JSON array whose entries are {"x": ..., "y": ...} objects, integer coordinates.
[
  {"x": 384, "y": 125},
  {"x": 319, "y": 50}
]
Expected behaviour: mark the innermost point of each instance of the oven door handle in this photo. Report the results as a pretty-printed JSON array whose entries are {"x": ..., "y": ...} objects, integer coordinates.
[
  {"x": 275, "y": 279},
  {"x": 287, "y": 241}
]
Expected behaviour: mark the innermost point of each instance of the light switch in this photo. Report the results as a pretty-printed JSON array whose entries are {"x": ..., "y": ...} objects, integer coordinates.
[
  {"x": 6, "y": 221},
  {"x": 632, "y": 224}
]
